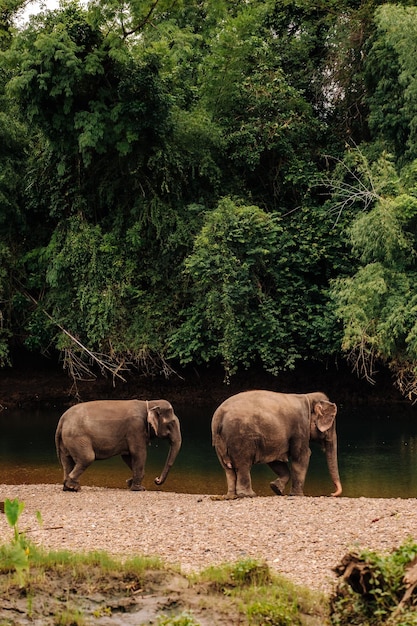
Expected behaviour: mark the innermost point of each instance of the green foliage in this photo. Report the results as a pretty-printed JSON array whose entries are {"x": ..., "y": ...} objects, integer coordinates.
[
  {"x": 232, "y": 274},
  {"x": 13, "y": 510},
  {"x": 392, "y": 69},
  {"x": 73, "y": 88},
  {"x": 106, "y": 302},
  {"x": 386, "y": 588},
  {"x": 245, "y": 589},
  {"x": 377, "y": 304},
  {"x": 249, "y": 286},
  {"x": 378, "y": 236},
  {"x": 250, "y": 572},
  {"x": 81, "y": 562},
  {"x": 269, "y": 128},
  {"x": 246, "y": 572},
  {"x": 70, "y": 617},
  {"x": 158, "y": 184},
  {"x": 16, "y": 553},
  {"x": 98, "y": 112},
  {"x": 5, "y": 332}
]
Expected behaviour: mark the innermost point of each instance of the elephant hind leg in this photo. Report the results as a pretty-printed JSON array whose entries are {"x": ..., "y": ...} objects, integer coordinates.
[
  {"x": 244, "y": 482},
  {"x": 68, "y": 465},
  {"x": 281, "y": 469},
  {"x": 239, "y": 483},
  {"x": 231, "y": 483},
  {"x": 231, "y": 476},
  {"x": 71, "y": 482}
]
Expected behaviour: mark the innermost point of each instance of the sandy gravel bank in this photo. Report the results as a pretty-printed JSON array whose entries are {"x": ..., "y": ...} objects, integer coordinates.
[{"x": 302, "y": 538}]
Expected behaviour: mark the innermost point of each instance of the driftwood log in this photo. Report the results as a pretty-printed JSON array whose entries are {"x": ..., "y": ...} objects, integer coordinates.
[{"x": 359, "y": 575}]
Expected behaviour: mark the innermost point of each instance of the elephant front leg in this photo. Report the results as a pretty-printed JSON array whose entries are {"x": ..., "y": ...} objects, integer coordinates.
[
  {"x": 137, "y": 464},
  {"x": 282, "y": 471},
  {"x": 299, "y": 469}
]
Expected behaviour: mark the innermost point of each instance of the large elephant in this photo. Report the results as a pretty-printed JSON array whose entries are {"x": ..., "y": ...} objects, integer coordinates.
[
  {"x": 105, "y": 428},
  {"x": 274, "y": 428}
]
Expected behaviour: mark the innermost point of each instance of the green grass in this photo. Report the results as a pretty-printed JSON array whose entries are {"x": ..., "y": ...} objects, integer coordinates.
[
  {"x": 247, "y": 589},
  {"x": 264, "y": 597}
]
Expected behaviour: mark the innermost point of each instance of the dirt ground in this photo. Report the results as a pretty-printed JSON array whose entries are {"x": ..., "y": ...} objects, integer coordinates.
[{"x": 117, "y": 600}]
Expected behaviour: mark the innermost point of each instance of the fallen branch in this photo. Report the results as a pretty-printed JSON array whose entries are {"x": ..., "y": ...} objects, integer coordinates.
[{"x": 74, "y": 363}]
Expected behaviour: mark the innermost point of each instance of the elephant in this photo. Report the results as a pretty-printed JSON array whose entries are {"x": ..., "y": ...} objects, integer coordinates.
[
  {"x": 101, "y": 429},
  {"x": 274, "y": 428}
]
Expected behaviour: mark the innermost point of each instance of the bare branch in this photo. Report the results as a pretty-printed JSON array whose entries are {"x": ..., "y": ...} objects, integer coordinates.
[
  {"x": 405, "y": 379},
  {"x": 362, "y": 359},
  {"x": 348, "y": 194},
  {"x": 79, "y": 360}
]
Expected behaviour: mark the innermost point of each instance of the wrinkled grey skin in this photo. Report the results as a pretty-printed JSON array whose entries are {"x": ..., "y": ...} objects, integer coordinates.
[
  {"x": 268, "y": 427},
  {"x": 105, "y": 428}
]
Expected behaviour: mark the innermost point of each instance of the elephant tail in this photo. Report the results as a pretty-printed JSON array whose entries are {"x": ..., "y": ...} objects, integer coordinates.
[
  {"x": 58, "y": 438},
  {"x": 221, "y": 449}
]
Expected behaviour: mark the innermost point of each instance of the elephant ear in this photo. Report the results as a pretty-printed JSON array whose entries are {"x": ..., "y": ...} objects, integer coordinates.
[
  {"x": 325, "y": 413},
  {"x": 153, "y": 418}
]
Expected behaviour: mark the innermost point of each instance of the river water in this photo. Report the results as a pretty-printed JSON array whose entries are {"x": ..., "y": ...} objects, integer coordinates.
[{"x": 377, "y": 455}]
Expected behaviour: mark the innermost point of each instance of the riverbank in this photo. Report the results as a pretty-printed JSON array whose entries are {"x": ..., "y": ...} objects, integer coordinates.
[
  {"x": 301, "y": 538},
  {"x": 41, "y": 383}
]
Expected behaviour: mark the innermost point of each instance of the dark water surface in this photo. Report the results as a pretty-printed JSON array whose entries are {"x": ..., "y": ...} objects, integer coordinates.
[{"x": 377, "y": 455}]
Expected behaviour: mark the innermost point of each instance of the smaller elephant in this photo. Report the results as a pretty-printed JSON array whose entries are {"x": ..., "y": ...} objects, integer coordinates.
[
  {"x": 104, "y": 428},
  {"x": 274, "y": 428}
]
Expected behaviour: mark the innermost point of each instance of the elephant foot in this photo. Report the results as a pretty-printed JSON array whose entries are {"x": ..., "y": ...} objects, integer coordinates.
[
  {"x": 71, "y": 486},
  {"x": 136, "y": 487},
  {"x": 249, "y": 494},
  {"x": 276, "y": 489},
  {"x": 227, "y": 496}
]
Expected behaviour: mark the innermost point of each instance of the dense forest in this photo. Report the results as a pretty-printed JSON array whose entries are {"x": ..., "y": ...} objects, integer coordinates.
[{"x": 210, "y": 182}]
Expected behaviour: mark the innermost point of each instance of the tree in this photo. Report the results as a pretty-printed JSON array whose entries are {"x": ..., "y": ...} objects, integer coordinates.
[
  {"x": 13, "y": 150},
  {"x": 377, "y": 304},
  {"x": 270, "y": 131},
  {"x": 254, "y": 299},
  {"x": 392, "y": 83}
]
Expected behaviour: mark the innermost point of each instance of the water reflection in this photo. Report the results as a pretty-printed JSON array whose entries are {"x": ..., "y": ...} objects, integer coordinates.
[{"x": 377, "y": 455}]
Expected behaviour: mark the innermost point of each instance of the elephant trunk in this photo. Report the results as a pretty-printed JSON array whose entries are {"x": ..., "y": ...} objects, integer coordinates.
[
  {"x": 175, "y": 445},
  {"x": 330, "y": 447}
]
